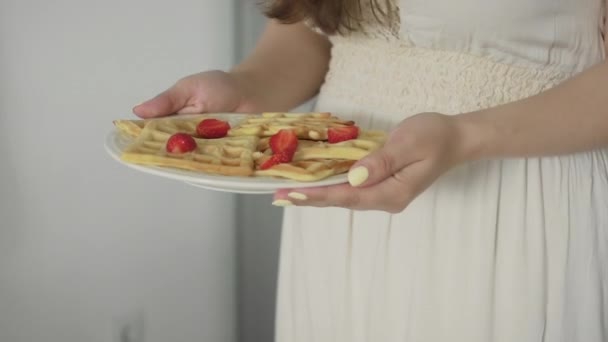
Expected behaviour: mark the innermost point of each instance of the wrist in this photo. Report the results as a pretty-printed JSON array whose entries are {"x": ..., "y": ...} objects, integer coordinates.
[
  {"x": 244, "y": 81},
  {"x": 475, "y": 134}
]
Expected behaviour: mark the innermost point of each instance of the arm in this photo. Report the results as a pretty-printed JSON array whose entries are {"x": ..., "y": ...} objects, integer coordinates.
[
  {"x": 569, "y": 118},
  {"x": 286, "y": 68}
]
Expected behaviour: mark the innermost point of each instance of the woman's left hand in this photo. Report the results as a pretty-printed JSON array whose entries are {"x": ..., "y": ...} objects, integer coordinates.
[{"x": 418, "y": 151}]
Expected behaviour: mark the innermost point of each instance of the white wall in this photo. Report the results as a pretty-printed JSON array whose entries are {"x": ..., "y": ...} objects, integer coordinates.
[
  {"x": 259, "y": 225},
  {"x": 86, "y": 244}
]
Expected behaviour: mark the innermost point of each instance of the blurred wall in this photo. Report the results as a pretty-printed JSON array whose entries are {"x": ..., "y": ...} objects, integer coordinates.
[
  {"x": 89, "y": 249},
  {"x": 259, "y": 227}
]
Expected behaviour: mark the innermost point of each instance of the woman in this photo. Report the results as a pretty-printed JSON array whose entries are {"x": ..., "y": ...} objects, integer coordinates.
[{"x": 485, "y": 216}]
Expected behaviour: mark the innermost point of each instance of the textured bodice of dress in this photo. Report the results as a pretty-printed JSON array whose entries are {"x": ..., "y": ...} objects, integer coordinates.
[
  {"x": 562, "y": 34},
  {"x": 474, "y": 54}
]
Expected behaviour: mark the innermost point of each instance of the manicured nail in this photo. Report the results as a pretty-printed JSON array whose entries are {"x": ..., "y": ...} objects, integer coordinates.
[
  {"x": 358, "y": 175},
  {"x": 282, "y": 203},
  {"x": 297, "y": 196}
]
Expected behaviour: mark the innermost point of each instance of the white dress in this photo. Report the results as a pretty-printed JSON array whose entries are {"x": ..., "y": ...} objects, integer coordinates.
[{"x": 501, "y": 250}]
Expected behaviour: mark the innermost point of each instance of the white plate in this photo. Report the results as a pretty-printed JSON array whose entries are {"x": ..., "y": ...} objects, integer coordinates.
[{"x": 116, "y": 142}]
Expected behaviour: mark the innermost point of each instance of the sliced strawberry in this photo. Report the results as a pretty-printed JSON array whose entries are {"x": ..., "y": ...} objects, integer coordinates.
[
  {"x": 212, "y": 129},
  {"x": 180, "y": 143},
  {"x": 285, "y": 141},
  {"x": 277, "y": 158},
  {"x": 338, "y": 134}
]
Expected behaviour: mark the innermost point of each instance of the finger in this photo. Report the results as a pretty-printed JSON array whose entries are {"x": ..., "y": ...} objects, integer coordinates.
[
  {"x": 171, "y": 101},
  {"x": 197, "y": 108},
  {"x": 313, "y": 196},
  {"x": 382, "y": 196},
  {"x": 393, "y": 194},
  {"x": 380, "y": 165}
]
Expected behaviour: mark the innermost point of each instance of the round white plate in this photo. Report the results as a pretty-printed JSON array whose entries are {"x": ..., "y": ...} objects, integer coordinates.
[{"x": 116, "y": 142}]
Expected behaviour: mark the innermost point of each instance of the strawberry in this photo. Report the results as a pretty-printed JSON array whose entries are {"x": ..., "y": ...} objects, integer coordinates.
[
  {"x": 343, "y": 133},
  {"x": 212, "y": 129},
  {"x": 180, "y": 143},
  {"x": 283, "y": 146},
  {"x": 277, "y": 158},
  {"x": 285, "y": 141}
]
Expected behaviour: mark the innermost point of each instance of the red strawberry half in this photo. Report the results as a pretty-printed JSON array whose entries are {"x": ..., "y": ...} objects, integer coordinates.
[
  {"x": 180, "y": 143},
  {"x": 283, "y": 145},
  {"x": 338, "y": 134},
  {"x": 212, "y": 129},
  {"x": 285, "y": 141},
  {"x": 277, "y": 158}
]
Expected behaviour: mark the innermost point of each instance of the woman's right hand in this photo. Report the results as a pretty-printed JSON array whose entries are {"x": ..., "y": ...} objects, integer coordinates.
[
  {"x": 206, "y": 92},
  {"x": 286, "y": 68}
]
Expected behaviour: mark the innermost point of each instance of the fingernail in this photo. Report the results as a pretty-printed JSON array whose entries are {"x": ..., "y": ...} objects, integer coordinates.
[
  {"x": 358, "y": 175},
  {"x": 282, "y": 203},
  {"x": 297, "y": 195}
]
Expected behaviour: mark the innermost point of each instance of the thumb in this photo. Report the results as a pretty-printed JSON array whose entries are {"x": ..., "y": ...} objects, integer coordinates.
[
  {"x": 168, "y": 102},
  {"x": 378, "y": 165}
]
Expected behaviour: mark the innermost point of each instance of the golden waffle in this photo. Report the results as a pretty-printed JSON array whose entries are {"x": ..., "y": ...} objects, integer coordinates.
[
  {"x": 130, "y": 127},
  {"x": 354, "y": 149},
  {"x": 246, "y": 146},
  {"x": 171, "y": 124},
  {"x": 306, "y": 170},
  {"x": 316, "y": 160},
  {"x": 310, "y": 126},
  {"x": 231, "y": 156}
]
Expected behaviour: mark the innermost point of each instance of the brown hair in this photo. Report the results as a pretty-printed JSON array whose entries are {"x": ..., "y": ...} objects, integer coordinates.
[{"x": 331, "y": 16}]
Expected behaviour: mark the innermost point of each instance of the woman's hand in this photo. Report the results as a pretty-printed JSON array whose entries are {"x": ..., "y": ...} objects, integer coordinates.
[
  {"x": 416, "y": 153},
  {"x": 286, "y": 68},
  {"x": 210, "y": 91}
]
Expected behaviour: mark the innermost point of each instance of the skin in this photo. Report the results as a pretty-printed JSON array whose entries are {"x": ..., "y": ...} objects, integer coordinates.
[
  {"x": 285, "y": 69},
  {"x": 290, "y": 62}
]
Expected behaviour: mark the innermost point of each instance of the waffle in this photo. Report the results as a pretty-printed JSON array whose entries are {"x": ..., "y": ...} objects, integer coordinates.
[
  {"x": 316, "y": 160},
  {"x": 355, "y": 149},
  {"x": 131, "y": 128},
  {"x": 231, "y": 156},
  {"x": 307, "y": 170},
  {"x": 247, "y": 146},
  {"x": 310, "y": 126}
]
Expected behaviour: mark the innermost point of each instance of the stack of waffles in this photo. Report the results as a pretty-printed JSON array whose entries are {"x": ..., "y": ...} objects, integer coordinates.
[{"x": 311, "y": 146}]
